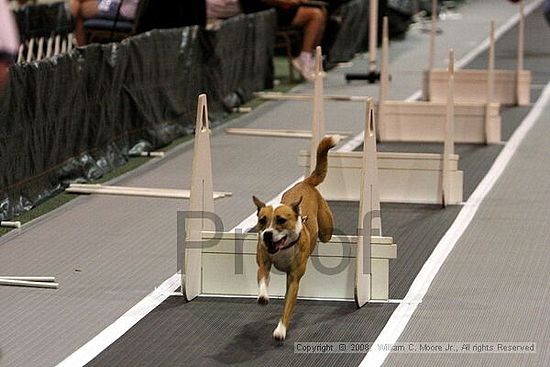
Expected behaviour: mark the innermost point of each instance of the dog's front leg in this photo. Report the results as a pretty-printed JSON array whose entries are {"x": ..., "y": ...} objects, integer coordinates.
[
  {"x": 292, "y": 285},
  {"x": 264, "y": 267}
]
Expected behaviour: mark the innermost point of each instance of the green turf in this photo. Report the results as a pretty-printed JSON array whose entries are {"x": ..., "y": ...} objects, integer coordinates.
[{"x": 283, "y": 85}]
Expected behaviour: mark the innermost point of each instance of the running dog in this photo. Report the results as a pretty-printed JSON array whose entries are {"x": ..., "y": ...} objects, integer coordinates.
[{"x": 287, "y": 234}]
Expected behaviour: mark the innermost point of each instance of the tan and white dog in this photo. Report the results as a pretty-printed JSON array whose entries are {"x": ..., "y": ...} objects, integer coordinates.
[{"x": 287, "y": 234}]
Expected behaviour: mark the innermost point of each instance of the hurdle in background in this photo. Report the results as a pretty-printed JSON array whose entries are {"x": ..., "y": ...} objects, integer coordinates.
[
  {"x": 202, "y": 128},
  {"x": 424, "y": 178},
  {"x": 357, "y": 267},
  {"x": 201, "y": 202},
  {"x": 424, "y": 121},
  {"x": 405, "y": 177},
  {"x": 511, "y": 87},
  {"x": 318, "y": 120}
]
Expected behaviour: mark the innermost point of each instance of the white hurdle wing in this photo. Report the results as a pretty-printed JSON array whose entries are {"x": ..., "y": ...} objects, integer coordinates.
[
  {"x": 448, "y": 145},
  {"x": 201, "y": 203},
  {"x": 318, "y": 120},
  {"x": 369, "y": 221},
  {"x": 490, "y": 85}
]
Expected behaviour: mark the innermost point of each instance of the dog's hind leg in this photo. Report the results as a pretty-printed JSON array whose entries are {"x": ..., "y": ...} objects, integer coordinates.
[
  {"x": 325, "y": 221},
  {"x": 292, "y": 285},
  {"x": 264, "y": 267}
]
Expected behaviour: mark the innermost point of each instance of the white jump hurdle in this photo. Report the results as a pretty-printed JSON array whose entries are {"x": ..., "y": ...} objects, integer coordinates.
[
  {"x": 331, "y": 274},
  {"x": 226, "y": 264},
  {"x": 404, "y": 177},
  {"x": 422, "y": 121},
  {"x": 511, "y": 87},
  {"x": 201, "y": 153},
  {"x": 426, "y": 178}
]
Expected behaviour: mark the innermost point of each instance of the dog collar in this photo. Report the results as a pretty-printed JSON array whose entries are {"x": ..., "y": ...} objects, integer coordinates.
[{"x": 292, "y": 243}]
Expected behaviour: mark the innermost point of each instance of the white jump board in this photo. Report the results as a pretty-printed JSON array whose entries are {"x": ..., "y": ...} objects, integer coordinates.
[
  {"x": 330, "y": 272},
  {"x": 419, "y": 121},
  {"x": 471, "y": 86},
  {"x": 403, "y": 177}
]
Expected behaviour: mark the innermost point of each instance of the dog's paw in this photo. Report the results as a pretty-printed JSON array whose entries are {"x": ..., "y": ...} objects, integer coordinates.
[
  {"x": 279, "y": 333},
  {"x": 263, "y": 296}
]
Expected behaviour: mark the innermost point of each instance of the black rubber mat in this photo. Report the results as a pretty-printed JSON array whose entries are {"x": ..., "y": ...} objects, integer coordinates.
[
  {"x": 232, "y": 332},
  {"x": 416, "y": 229}
]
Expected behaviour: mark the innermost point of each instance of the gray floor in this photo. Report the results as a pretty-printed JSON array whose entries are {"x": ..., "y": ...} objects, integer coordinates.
[
  {"x": 109, "y": 252},
  {"x": 494, "y": 285},
  {"x": 232, "y": 332}
]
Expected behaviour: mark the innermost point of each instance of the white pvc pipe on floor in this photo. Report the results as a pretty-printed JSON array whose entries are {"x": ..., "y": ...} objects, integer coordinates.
[
  {"x": 136, "y": 191},
  {"x": 152, "y": 154},
  {"x": 28, "y": 278},
  {"x": 10, "y": 224},
  {"x": 24, "y": 283}
]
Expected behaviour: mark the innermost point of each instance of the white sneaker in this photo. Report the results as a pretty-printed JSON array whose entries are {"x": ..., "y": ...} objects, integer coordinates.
[{"x": 304, "y": 68}]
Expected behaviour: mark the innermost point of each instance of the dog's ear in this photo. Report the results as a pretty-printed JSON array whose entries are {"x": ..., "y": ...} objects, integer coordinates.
[
  {"x": 258, "y": 202},
  {"x": 296, "y": 206}
]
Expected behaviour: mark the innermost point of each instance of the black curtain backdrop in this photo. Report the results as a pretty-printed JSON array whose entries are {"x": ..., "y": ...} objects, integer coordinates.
[{"x": 77, "y": 115}]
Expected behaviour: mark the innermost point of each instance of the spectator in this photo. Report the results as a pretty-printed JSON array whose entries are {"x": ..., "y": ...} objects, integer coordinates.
[
  {"x": 108, "y": 9},
  {"x": 312, "y": 19},
  {"x": 310, "y": 16},
  {"x": 9, "y": 42}
]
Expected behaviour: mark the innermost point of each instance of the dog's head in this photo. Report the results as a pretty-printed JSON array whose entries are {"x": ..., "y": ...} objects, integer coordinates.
[{"x": 280, "y": 226}]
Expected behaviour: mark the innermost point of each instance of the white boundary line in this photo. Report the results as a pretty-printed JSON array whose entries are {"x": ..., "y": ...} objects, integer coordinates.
[
  {"x": 403, "y": 313},
  {"x": 114, "y": 331}
]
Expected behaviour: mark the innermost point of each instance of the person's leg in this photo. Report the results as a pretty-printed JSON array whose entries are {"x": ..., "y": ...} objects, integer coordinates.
[
  {"x": 82, "y": 10},
  {"x": 313, "y": 21}
]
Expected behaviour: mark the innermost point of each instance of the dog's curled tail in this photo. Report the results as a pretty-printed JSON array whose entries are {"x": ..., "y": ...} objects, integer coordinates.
[{"x": 320, "y": 171}]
